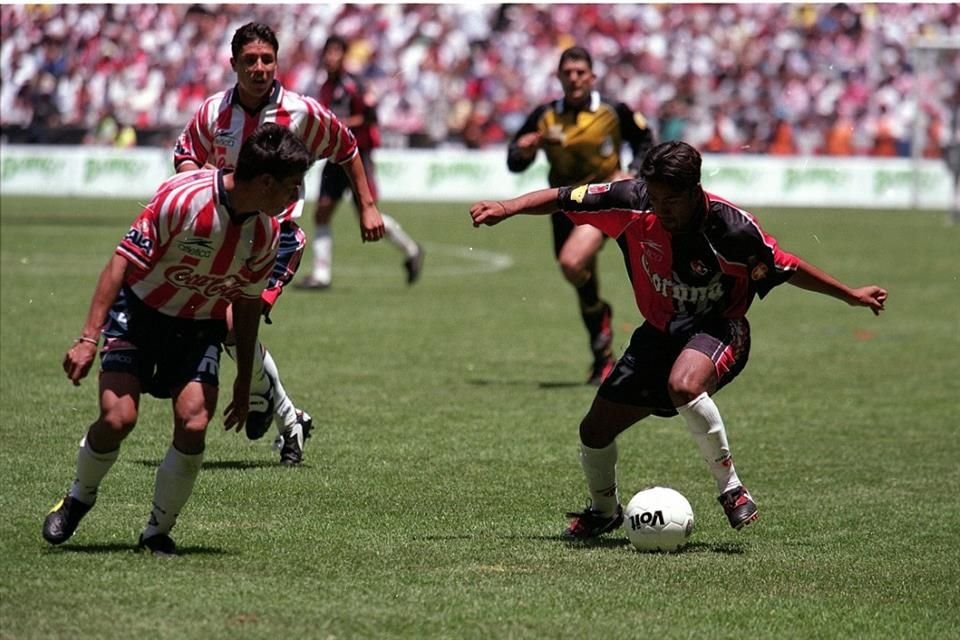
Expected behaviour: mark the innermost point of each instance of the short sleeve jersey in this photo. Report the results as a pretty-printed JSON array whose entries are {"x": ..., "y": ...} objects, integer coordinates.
[
  {"x": 681, "y": 281},
  {"x": 221, "y": 124},
  {"x": 193, "y": 259}
]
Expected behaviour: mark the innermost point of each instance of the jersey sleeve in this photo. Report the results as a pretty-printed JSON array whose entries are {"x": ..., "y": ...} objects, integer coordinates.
[
  {"x": 141, "y": 242},
  {"x": 516, "y": 162},
  {"x": 261, "y": 263},
  {"x": 325, "y": 136},
  {"x": 636, "y": 132},
  {"x": 748, "y": 248},
  {"x": 609, "y": 206},
  {"x": 196, "y": 140}
]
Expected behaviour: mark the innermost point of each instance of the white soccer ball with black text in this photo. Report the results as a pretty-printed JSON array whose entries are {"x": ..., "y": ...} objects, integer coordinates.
[{"x": 658, "y": 519}]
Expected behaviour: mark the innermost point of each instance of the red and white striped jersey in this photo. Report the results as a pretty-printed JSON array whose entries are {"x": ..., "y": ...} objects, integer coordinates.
[
  {"x": 221, "y": 124},
  {"x": 193, "y": 259}
]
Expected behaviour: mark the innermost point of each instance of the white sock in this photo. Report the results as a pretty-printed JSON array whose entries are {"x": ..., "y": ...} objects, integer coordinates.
[
  {"x": 283, "y": 406},
  {"x": 174, "y": 484},
  {"x": 322, "y": 254},
  {"x": 398, "y": 237},
  {"x": 91, "y": 468},
  {"x": 706, "y": 427},
  {"x": 600, "y": 468}
]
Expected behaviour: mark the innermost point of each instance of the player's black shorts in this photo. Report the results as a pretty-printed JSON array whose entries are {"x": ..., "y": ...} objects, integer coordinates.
[
  {"x": 640, "y": 376},
  {"x": 163, "y": 352},
  {"x": 562, "y": 228},
  {"x": 334, "y": 180}
]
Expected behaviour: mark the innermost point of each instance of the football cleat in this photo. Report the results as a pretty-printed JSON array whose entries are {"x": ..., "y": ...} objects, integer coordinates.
[
  {"x": 160, "y": 545},
  {"x": 602, "y": 347},
  {"x": 589, "y": 524},
  {"x": 414, "y": 265},
  {"x": 260, "y": 415},
  {"x": 63, "y": 519},
  {"x": 600, "y": 370},
  {"x": 291, "y": 441},
  {"x": 740, "y": 508}
]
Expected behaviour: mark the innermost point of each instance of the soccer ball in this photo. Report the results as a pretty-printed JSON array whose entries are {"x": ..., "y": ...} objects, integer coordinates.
[{"x": 658, "y": 519}]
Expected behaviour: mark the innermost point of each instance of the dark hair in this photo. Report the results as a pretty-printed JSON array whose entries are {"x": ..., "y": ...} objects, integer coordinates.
[
  {"x": 335, "y": 41},
  {"x": 273, "y": 150},
  {"x": 675, "y": 164},
  {"x": 575, "y": 53},
  {"x": 251, "y": 32}
]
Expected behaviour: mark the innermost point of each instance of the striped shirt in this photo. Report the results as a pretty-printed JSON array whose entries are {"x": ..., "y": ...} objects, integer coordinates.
[
  {"x": 193, "y": 259},
  {"x": 221, "y": 124}
]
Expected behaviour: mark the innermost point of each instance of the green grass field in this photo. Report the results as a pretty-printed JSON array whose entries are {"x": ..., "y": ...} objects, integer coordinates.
[{"x": 433, "y": 491}]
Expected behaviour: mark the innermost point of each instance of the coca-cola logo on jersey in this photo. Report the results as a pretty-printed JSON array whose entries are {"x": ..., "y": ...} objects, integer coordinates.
[{"x": 183, "y": 276}]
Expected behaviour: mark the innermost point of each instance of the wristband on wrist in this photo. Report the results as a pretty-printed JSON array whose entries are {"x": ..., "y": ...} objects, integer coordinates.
[{"x": 92, "y": 341}]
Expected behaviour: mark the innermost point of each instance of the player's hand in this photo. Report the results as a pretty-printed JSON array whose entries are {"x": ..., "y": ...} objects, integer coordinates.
[
  {"x": 371, "y": 224},
  {"x": 78, "y": 360},
  {"x": 529, "y": 141},
  {"x": 488, "y": 212},
  {"x": 872, "y": 297},
  {"x": 235, "y": 415}
]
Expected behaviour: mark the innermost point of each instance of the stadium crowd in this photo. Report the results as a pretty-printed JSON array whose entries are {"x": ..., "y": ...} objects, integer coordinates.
[{"x": 757, "y": 78}]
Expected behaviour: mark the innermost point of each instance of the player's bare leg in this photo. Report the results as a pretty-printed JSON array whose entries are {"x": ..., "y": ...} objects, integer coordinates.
[
  {"x": 99, "y": 449},
  {"x": 193, "y": 406},
  {"x": 578, "y": 262}
]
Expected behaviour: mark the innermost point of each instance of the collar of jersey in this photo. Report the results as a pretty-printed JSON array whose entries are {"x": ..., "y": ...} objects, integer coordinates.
[
  {"x": 272, "y": 98},
  {"x": 593, "y": 106}
]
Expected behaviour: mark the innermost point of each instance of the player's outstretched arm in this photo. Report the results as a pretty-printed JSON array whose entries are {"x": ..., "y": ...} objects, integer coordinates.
[
  {"x": 491, "y": 212},
  {"x": 811, "y": 278},
  {"x": 79, "y": 358}
]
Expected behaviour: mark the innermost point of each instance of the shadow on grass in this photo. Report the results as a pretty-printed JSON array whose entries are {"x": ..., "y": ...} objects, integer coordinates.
[
  {"x": 722, "y": 548},
  {"x": 213, "y": 465},
  {"x": 548, "y": 384},
  {"x": 114, "y": 547}
]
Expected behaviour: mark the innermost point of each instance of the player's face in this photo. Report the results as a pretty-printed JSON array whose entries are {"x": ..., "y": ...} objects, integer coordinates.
[
  {"x": 333, "y": 59},
  {"x": 256, "y": 66},
  {"x": 674, "y": 208},
  {"x": 278, "y": 194},
  {"x": 577, "y": 78}
]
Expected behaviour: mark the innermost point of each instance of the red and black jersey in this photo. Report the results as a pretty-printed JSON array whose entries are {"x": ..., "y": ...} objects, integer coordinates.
[
  {"x": 344, "y": 95},
  {"x": 681, "y": 281}
]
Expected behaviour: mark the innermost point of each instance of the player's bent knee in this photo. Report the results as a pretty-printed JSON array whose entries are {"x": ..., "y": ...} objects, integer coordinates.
[
  {"x": 117, "y": 420},
  {"x": 595, "y": 434},
  {"x": 683, "y": 387},
  {"x": 574, "y": 273}
]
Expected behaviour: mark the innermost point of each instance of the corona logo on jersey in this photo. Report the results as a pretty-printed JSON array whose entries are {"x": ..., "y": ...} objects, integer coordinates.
[
  {"x": 209, "y": 286},
  {"x": 680, "y": 292}
]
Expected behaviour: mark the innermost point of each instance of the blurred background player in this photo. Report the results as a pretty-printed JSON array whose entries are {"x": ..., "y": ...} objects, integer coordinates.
[
  {"x": 163, "y": 332},
  {"x": 582, "y": 135},
  {"x": 695, "y": 262},
  {"x": 345, "y": 95},
  {"x": 213, "y": 138}
]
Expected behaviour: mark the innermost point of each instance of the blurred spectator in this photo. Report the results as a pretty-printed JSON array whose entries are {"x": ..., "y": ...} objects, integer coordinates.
[{"x": 465, "y": 74}]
